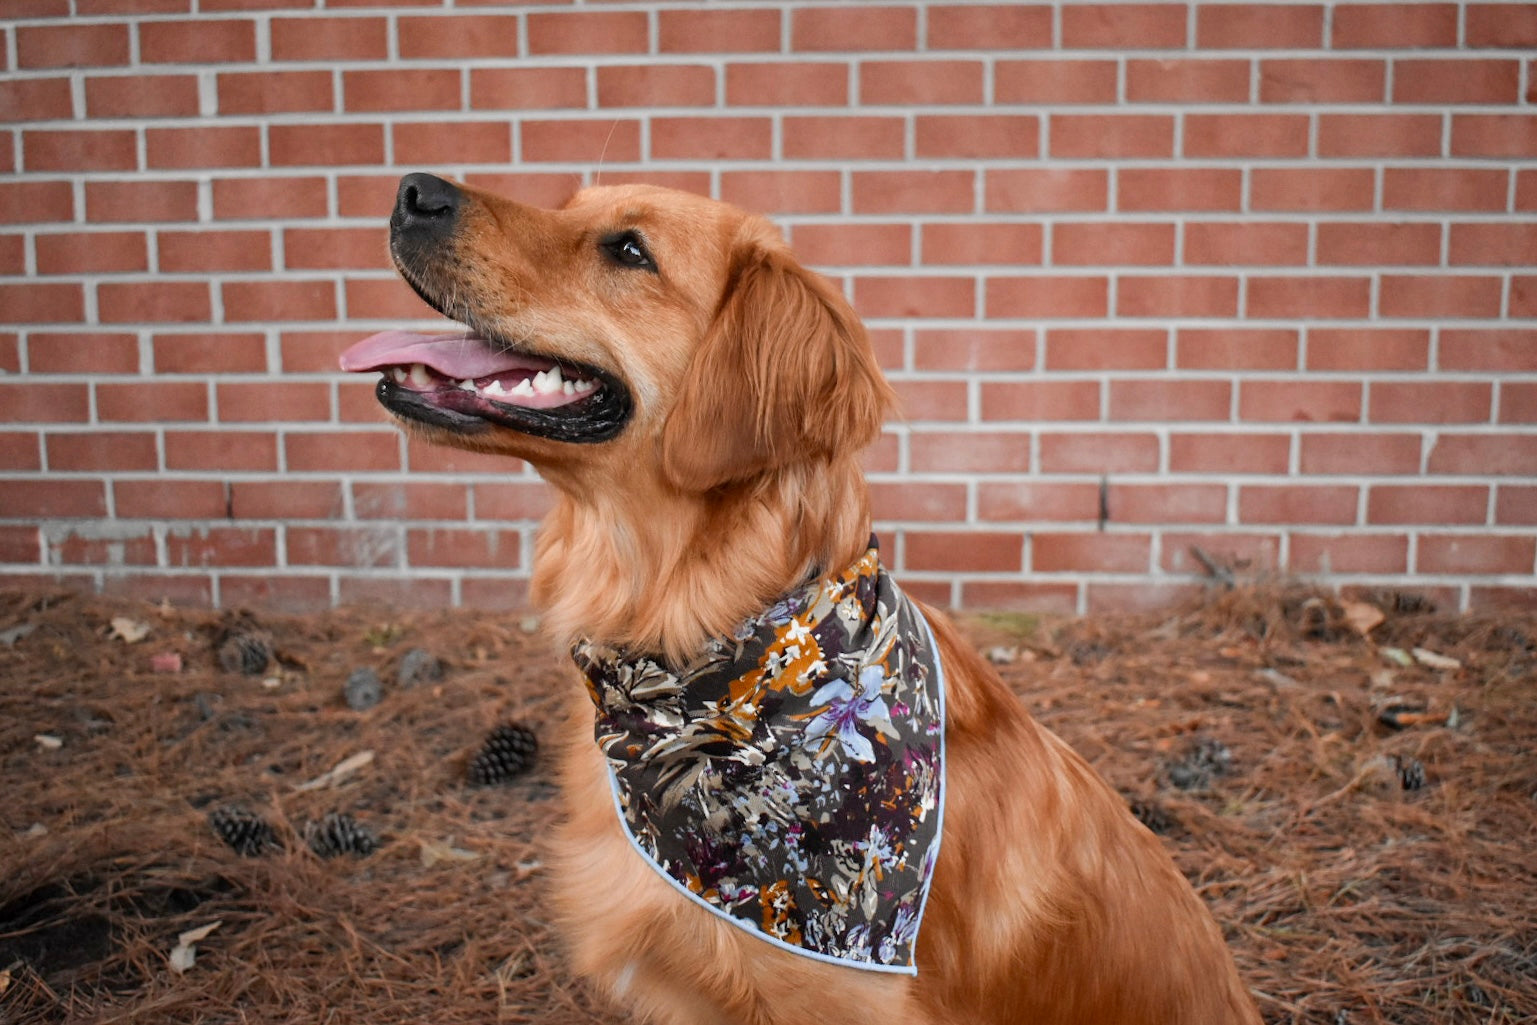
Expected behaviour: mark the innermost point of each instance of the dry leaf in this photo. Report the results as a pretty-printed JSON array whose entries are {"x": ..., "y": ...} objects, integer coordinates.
[
  {"x": 434, "y": 851},
  {"x": 1398, "y": 656},
  {"x": 48, "y": 742},
  {"x": 1364, "y": 616},
  {"x": 130, "y": 631},
  {"x": 184, "y": 954},
  {"x": 342, "y": 769},
  {"x": 1426, "y": 657}
]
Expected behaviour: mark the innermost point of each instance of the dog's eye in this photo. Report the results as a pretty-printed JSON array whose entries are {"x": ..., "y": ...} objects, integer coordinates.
[{"x": 629, "y": 249}]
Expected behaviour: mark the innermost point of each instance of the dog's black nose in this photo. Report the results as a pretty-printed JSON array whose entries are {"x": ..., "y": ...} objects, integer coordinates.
[{"x": 426, "y": 203}]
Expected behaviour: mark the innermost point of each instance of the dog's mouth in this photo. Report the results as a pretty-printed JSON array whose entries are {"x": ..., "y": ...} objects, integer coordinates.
[{"x": 467, "y": 383}]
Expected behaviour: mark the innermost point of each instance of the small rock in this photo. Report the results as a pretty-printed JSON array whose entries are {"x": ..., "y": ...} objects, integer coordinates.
[
  {"x": 166, "y": 662},
  {"x": 363, "y": 690},
  {"x": 419, "y": 666}
]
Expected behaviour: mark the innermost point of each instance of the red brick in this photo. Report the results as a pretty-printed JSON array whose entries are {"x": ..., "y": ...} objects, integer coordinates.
[
  {"x": 1360, "y": 454},
  {"x": 71, "y": 45},
  {"x": 398, "y": 501},
  {"x": 23, "y": 545},
  {"x": 42, "y": 303},
  {"x": 1326, "y": 80},
  {"x": 903, "y": 83},
  {"x": 1440, "y": 296},
  {"x": 1508, "y": 350},
  {"x": 524, "y": 500},
  {"x": 79, "y": 150},
  {"x": 1297, "y": 503},
  {"x": 204, "y": 146},
  {"x": 783, "y": 192},
  {"x": 1098, "y": 452},
  {"x": 527, "y": 88},
  {"x": 1084, "y": 552},
  {"x": 46, "y": 498},
  {"x": 973, "y": 350},
  {"x": 223, "y": 451},
  {"x": 1038, "y": 501},
  {"x": 415, "y": 592},
  {"x": 1040, "y": 400},
  {"x": 989, "y": 27},
  {"x": 922, "y": 503},
  {"x": 1041, "y": 190},
  {"x": 656, "y": 85},
  {"x": 1444, "y": 188},
  {"x": 1169, "y": 400},
  {"x": 915, "y": 296},
  {"x": 1367, "y": 349},
  {"x": 383, "y": 299},
  {"x": 963, "y": 551},
  {"x": 284, "y": 593},
  {"x": 425, "y": 457},
  {"x": 1312, "y": 188},
  {"x": 285, "y": 499},
  {"x": 99, "y": 252},
  {"x": 1054, "y": 82},
  {"x": 1246, "y": 135},
  {"x": 981, "y": 243},
  {"x": 822, "y": 138},
  {"x": 141, "y": 96},
  {"x": 1523, "y": 296},
  {"x": 1484, "y": 454},
  {"x": 1237, "y": 349},
  {"x": 1189, "y": 295},
  {"x": 398, "y": 89},
  {"x": 892, "y": 192},
  {"x": 31, "y": 402},
  {"x": 170, "y": 499},
  {"x": 1349, "y": 553},
  {"x": 1437, "y": 82},
  {"x": 262, "y": 402},
  {"x": 464, "y": 547},
  {"x": 1475, "y": 553},
  {"x": 969, "y": 452},
  {"x": 726, "y": 138},
  {"x": 1106, "y": 349},
  {"x": 353, "y": 451},
  {"x": 1502, "y": 24},
  {"x": 151, "y": 401},
  {"x": 339, "y": 39},
  {"x": 275, "y": 92},
  {"x": 792, "y": 83},
  {"x": 1249, "y": 26},
  {"x": 20, "y": 450},
  {"x": 1369, "y": 26},
  {"x": 1381, "y": 243},
  {"x": 29, "y": 201},
  {"x": 1226, "y": 244},
  {"x": 1043, "y": 296},
  {"x": 1123, "y": 26},
  {"x": 1091, "y": 136},
  {"x": 930, "y": 400},
  {"x": 1195, "y": 80},
  {"x": 977, "y": 136},
  {"x": 205, "y": 251},
  {"x": 325, "y": 145},
  {"x": 163, "y": 301},
  {"x": 76, "y": 353},
  {"x": 116, "y": 451},
  {"x": 269, "y": 197},
  {"x": 208, "y": 352},
  {"x": 1228, "y": 453},
  {"x": 268, "y": 300},
  {"x": 584, "y": 32},
  {"x": 1242, "y": 553},
  {"x": 452, "y": 142},
  {"x": 1279, "y": 400},
  {"x": 36, "y": 99},
  {"x": 1056, "y": 599},
  {"x": 1516, "y": 504},
  {"x": 191, "y": 547},
  {"x": 1427, "y": 504},
  {"x": 1379, "y": 135},
  {"x": 854, "y": 244},
  {"x": 1109, "y": 244},
  {"x": 1431, "y": 402},
  {"x": 1291, "y": 298},
  {"x": 1178, "y": 188},
  {"x": 1509, "y": 244},
  {"x": 583, "y": 141},
  {"x": 197, "y": 41},
  {"x": 336, "y": 248},
  {"x": 846, "y": 28},
  {"x": 699, "y": 30},
  {"x": 159, "y": 201}
]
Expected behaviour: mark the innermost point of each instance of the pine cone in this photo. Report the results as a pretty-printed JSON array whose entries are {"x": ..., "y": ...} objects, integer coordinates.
[
  {"x": 1411, "y": 774},
  {"x": 339, "y": 833},
  {"x": 508, "y": 751},
  {"x": 242, "y": 646},
  {"x": 246, "y": 832}
]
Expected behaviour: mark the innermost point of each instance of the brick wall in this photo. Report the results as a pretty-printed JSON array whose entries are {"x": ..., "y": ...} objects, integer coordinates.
[{"x": 1254, "y": 279}]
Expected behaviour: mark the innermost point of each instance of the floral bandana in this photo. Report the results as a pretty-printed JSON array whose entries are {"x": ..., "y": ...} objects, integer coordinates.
[{"x": 789, "y": 779}]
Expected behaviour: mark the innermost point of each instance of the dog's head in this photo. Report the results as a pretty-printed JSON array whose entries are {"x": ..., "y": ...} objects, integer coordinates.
[{"x": 634, "y": 326}]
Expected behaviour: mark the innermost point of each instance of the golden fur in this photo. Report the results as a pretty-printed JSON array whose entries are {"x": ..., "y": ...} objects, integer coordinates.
[{"x": 755, "y": 389}]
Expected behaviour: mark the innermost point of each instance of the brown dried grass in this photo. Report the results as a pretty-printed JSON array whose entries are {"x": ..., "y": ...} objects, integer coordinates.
[{"x": 1347, "y": 898}]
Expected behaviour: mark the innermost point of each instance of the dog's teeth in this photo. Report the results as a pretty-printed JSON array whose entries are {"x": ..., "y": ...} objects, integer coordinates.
[
  {"x": 524, "y": 387},
  {"x": 466, "y": 385},
  {"x": 585, "y": 386},
  {"x": 419, "y": 376},
  {"x": 399, "y": 374},
  {"x": 548, "y": 382},
  {"x": 569, "y": 388}
]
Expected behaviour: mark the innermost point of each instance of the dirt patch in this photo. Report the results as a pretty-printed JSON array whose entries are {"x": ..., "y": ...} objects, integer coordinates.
[{"x": 1356, "y": 801}]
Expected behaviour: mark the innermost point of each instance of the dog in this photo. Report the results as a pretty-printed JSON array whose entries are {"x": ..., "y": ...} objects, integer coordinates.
[{"x": 751, "y": 681}]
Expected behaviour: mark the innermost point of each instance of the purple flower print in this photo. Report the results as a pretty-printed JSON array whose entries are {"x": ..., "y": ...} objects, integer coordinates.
[{"x": 846, "y": 709}]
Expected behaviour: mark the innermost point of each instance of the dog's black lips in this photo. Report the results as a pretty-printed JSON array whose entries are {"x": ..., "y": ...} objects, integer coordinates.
[{"x": 598, "y": 417}]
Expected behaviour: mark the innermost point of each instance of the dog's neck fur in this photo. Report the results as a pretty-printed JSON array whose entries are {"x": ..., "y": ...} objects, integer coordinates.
[{"x": 654, "y": 569}]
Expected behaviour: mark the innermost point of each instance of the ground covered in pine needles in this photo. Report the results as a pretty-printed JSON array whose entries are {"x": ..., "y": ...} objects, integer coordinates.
[{"x": 196, "y": 826}]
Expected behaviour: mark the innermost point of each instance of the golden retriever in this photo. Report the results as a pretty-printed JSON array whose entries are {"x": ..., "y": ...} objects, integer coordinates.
[{"x": 699, "y": 402}]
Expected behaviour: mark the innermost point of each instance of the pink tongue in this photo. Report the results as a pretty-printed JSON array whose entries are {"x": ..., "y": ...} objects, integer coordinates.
[{"x": 458, "y": 356}]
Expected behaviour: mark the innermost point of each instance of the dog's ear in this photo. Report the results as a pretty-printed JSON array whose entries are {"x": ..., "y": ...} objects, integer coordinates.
[{"x": 785, "y": 373}]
